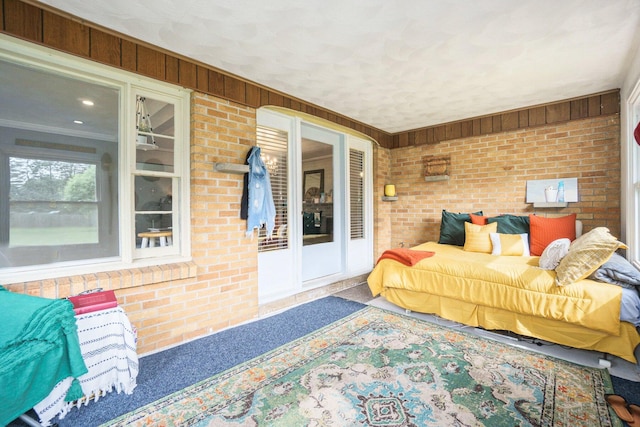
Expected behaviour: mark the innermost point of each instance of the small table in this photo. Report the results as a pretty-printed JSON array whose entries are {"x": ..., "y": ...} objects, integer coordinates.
[{"x": 149, "y": 238}]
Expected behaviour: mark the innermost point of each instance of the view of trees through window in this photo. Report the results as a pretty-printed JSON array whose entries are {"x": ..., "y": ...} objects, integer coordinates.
[{"x": 52, "y": 201}]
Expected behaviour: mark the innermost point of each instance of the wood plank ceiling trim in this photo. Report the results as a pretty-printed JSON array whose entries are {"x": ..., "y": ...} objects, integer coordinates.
[
  {"x": 41, "y": 24},
  {"x": 601, "y": 104}
]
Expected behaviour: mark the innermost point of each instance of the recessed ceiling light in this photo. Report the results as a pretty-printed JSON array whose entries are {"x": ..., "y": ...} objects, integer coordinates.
[
  {"x": 78, "y": 122},
  {"x": 87, "y": 102}
]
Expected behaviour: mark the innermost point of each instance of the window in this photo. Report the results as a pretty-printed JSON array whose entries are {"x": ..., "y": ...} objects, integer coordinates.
[
  {"x": 635, "y": 167},
  {"x": 155, "y": 180},
  {"x": 273, "y": 145},
  {"x": 92, "y": 176},
  {"x": 356, "y": 193},
  {"x": 631, "y": 174}
]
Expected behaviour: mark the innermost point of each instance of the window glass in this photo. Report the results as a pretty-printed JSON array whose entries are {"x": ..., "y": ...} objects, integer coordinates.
[
  {"x": 59, "y": 151},
  {"x": 154, "y": 210},
  {"x": 155, "y": 174},
  {"x": 52, "y": 203},
  {"x": 154, "y": 135}
]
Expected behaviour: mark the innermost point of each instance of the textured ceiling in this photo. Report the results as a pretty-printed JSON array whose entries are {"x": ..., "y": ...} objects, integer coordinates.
[{"x": 395, "y": 64}]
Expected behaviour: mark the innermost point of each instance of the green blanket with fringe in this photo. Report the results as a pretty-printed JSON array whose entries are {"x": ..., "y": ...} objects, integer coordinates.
[{"x": 38, "y": 348}]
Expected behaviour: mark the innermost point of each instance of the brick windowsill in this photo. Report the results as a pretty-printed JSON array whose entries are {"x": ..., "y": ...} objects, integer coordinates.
[{"x": 63, "y": 287}]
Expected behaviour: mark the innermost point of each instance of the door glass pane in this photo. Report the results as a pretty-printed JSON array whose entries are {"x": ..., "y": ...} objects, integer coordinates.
[
  {"x": 317, "y": 192},
  {"x": 273, "y": 145}
]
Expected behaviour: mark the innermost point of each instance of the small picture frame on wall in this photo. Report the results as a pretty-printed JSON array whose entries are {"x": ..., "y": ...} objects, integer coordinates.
[{"x": 559, "y": 190}]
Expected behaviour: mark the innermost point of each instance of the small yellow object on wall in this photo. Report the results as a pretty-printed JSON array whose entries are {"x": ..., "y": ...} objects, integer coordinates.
[{"x": 390, "y": 190}]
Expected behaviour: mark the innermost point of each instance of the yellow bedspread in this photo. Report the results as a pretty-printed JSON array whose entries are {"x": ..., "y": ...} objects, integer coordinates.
[{"x": 509, "y": 283}]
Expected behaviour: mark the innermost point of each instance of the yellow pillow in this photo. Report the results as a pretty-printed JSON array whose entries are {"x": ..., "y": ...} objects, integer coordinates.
[
  {"x": 586, "y": 254},
  {"x": 477, "y": 237},
  {"x": 510, "y": 244}
]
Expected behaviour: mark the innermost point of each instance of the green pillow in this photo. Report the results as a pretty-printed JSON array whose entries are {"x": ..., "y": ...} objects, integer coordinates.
[
  {"x": 452, "y": 227},
  {"x": 511, "y": 224}
]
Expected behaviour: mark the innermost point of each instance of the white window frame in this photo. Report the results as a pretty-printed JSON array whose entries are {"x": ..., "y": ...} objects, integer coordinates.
[
  {"x": 129, "y": 84},
  {"x": 360, "y": 251},
  {"x": 633, "y": 176}
]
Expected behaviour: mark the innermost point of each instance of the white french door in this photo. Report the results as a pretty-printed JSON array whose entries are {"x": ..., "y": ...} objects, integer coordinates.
[
  {"x": 322, "y": 208},
  {"x": 276, "y": 256},
  {"x": 321, "y": 183}
]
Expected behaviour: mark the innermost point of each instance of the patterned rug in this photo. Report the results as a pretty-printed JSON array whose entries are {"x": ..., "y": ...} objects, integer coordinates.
[{"x": 377, "y": 368}]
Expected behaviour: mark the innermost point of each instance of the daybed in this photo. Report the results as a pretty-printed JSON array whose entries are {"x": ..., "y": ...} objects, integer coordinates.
[{"x": 512, "y": 292}]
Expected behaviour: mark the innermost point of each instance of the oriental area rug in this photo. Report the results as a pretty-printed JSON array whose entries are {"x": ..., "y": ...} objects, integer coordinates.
[{"x": 377, "y": 368}]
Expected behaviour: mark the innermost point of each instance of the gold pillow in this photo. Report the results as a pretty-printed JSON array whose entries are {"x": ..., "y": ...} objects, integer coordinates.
[
  {"x": 586, "y": 254},
  {"x": 477, "y": 237}
]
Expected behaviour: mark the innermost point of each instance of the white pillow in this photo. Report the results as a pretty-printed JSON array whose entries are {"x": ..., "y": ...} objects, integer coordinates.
[{"x": 553, "y": 254}]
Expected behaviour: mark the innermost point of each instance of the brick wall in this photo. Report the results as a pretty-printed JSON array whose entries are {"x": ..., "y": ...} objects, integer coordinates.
[
  {"x": 383, "y": 210},
  {"x": 222, "y": 131},
  {"x": 489, "y": 173}
]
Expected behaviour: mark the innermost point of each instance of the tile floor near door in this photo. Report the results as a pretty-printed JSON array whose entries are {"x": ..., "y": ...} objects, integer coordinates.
[
  {"x": 360, "y": 293},
  {"x": 619, "y": 367}
]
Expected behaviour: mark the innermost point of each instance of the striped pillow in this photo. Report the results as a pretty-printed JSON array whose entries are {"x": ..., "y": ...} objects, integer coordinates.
[
  {"x": 586, "y": 254},
  {"x": 477, "y": 237},
  {"x": 545, "y": 230}
]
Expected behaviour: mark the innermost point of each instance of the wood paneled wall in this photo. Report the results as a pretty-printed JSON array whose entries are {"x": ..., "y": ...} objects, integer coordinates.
[
  {"x": 47, "y": 26},
  {"x": 601, "y": 104}
]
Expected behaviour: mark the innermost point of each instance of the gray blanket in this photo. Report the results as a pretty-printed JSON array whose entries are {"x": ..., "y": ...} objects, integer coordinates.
[{"x": 618, "y": 271}]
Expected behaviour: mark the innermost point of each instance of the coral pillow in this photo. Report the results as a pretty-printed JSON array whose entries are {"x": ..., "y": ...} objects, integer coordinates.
[
  {"x": 478, "y": 219},
  {"x": 545, "y": 230},
  {"x": 477, "y": 237},
  {"x": 510, "y": 244}
]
